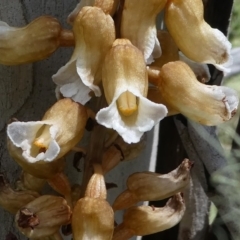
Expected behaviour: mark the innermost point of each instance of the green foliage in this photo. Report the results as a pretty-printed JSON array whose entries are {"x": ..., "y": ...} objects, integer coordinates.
[{"x": 234, "y": 30}]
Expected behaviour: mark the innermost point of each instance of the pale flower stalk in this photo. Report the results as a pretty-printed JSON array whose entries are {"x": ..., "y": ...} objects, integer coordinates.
[
  {"x": 125, "y": 84},
  {"x": 94, "y": 34}
]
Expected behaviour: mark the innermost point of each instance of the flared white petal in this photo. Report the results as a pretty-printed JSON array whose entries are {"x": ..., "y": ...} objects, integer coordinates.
[
  {"x": 70, "y": 84},
  {"x": 22, "y": 135},
  {"x": 132, "y": 128}
]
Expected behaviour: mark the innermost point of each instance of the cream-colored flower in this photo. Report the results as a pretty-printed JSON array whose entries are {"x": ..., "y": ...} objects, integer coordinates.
[
  {"x": 94, "y": 33},
  {"x": 61, "y": 128},
  {"x": 125, "y": 85},
  {"x": 198, "y": 41},
  {"x": 139, "y": 26}
]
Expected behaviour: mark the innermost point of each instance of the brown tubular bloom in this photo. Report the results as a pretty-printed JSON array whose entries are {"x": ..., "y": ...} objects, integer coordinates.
[
  {"x": 208, "y": 105},
  {"x": 145, "y": 220},
  {"x": 12, "y": 200},
  {"x": 43, "y": 216},
  {"x": 149, "y": 186},
  {"x": 93, "y": 217},
  {"x": 34, "y": 42}
]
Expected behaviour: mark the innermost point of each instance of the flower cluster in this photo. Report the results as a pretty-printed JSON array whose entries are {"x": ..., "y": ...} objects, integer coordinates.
[{"x": 140, "y": 75}]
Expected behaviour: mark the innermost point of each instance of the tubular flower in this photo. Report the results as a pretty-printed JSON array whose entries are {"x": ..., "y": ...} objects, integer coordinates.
[
  {"x": 94, "y": 34},
  {"x": 139, "y": 26},
  {"x": 43, "y": 216},
  {"x": 208, "y": 105},
  {"x": 12, "y": 200},
  {"x": 146, "y": 220},
  {"x": 212, "y": 46},
  {"x": 61, "y": 128},
  {"x": 125, "y": 85},
  {"x": 93, "y": 217},
  {"x": 149, "y": 186},
  {"x": 108, "y": 6},
  {"x": 34, "y": 42}
]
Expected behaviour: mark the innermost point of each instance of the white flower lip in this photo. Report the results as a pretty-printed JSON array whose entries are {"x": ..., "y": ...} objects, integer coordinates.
[
  {"x": 133, "y": 127},
  {"x": 22, "y": 135}
]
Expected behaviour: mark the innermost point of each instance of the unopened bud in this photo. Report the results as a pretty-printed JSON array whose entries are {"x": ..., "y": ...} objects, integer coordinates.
[
  {"x": 93, "y": 217},
  {"x": 149, "y": 186},
  {"x": 43, "y": 216}
]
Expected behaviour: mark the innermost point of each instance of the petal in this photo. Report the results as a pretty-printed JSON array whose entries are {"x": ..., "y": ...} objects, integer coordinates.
[
  {"x": 70, "y": 84},
  {"x": 132, "y": 128}
]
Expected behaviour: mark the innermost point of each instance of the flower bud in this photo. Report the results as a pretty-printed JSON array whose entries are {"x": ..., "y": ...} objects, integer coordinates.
[
  {"x": 208, "y": 105},
  {"x": 40, "y": 145},
  {"x": 93, "y": 217},
  {"x": 198, "y": 41},
  {"x": 94, "y": 34},
  {"x": 139, "y": 26},
  {"x": 108, "y": 7},
  {"x": 12, "y": 200},
  {"x": 125, "y": 86},
  {"x": 34, "y": 42},
  {"x": 43, "y": 216},
  {"x": 145, "y": 220},
  {"x": 149, "y": 186}
]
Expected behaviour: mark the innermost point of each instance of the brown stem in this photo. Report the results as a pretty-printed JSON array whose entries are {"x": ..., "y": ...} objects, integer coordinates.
[
  {"x": 95, "y": 149},
  {"x": 67, "y": 38}
]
